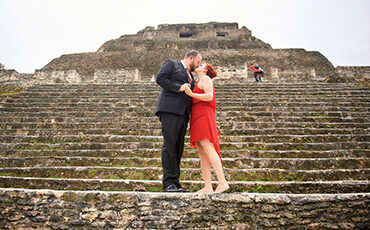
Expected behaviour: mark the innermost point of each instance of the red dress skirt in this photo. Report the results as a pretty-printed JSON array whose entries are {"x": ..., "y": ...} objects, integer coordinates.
[{"x": 203, "y": 121}]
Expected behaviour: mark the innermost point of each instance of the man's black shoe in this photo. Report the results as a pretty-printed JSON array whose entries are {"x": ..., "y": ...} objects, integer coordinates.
[
  {"x": 174, "y": 188},
  {"x": 180, "y": 187},
  {"x": 182, "y": 190}
]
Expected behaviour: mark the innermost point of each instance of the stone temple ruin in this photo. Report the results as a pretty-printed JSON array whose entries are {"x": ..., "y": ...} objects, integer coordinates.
[
  {"x": 137, "y": 58},
  {"x": 80, "y": 145}
]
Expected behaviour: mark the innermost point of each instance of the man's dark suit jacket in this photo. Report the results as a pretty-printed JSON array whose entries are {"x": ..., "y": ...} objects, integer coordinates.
[{"x": 170, "y": 77}]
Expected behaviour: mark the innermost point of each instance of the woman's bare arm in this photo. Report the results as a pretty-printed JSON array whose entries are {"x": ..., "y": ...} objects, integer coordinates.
[{"x": 207, "y": 87}]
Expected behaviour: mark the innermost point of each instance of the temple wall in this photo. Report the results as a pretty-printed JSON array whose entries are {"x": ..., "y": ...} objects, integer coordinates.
[{"x": 48, "y": 209}]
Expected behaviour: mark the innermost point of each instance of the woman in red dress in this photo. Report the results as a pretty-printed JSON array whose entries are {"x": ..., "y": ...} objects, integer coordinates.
[{"x": 203, "y": 128}]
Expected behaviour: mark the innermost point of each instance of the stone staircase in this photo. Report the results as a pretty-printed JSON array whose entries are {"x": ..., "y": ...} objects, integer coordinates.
[{"x": 291, "y": 138}]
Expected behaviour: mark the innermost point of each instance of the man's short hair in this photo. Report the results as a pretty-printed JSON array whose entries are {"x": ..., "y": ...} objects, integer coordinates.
[{"x": 193, "y": 53}]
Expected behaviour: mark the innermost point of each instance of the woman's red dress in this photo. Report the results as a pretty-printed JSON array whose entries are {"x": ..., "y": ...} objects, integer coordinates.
[{"x": 203, "y": 121}]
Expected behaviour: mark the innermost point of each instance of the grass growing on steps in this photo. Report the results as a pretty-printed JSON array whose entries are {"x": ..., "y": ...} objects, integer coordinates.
[
  {"x": 9, "y": 91},
  {"x": 186, "y": 174},
  {"x": 154, "y": 189}
]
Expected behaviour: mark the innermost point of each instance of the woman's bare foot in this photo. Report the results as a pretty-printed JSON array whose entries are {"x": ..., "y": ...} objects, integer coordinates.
[
  {"x": 222, "y": 187},
  {"x": 205, "y": 190}
]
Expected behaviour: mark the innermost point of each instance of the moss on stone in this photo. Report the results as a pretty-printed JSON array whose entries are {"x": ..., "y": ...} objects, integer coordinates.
[
  {"x": 154, "y": 189},
  {"x": 112, "y": 177},
  {"x": 6, "y": 91},
  {"x": 196, "y": 187}
]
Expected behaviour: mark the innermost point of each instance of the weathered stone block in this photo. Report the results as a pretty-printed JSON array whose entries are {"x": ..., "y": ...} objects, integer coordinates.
[{"x": 179, "y": 210}]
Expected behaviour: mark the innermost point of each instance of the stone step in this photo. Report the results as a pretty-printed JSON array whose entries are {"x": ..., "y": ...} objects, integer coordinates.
[
  {"x": 314, "y": 135},
  {"x": 303, "y": 187},
  {"x": 299, "y": 90},
  {"x": 232, "y": 163},
  {"x": 227, "y": 97},
  {"x": 154, "y": 86},
  {"x": 274, "y": 125},
  {"x": 220, "y": 90},
  {"x": 71, "y": 129},
  {"x": 148, "y": 117},
  {"x": 219, "y": 93},
  {"x": 230, "y": 116},
  {"x": 224, "y": 86},
  {"x": 155, "y": 173},
  {"x": 317, "y": 111},
  {"x": 291, "y": 131},
  {"x": 322, "y": 110},
  {"x": 325, "y": 92},
  {"x": 189, "y": 153},
  {"x": 331, "y": 104},
  {"x": 220, "y": 97},
  {"x": 281, "y": 117},
  {"x": 221, "y": 114},
  {"x": 78, "y": 119},
  {"x": 225, "y": 100},
  {"x": 221, "y": 101},
  {"x": 152, "y": 123},
  {"x": 358, "y": 117},
  {"x": 146, "y": 86},
  {"x": 159, "y": 139},
  {"x": 223, "y": 145},
  {"x": 228, "y": 93},
  {"x": 52, "y": 209}
]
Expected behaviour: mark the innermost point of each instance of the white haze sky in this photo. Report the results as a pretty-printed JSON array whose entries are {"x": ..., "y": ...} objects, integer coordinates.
[{"x": 33, "y": 32}]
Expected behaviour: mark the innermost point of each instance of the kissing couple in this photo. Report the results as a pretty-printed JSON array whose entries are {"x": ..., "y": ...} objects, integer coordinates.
[{"x": 181, "y": 96}]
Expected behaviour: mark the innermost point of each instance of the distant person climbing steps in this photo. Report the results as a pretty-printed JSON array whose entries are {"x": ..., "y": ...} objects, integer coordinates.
[{"x": 258, "y": 72}]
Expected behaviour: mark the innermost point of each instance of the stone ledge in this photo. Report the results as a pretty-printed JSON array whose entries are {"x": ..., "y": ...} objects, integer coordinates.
[
  {"x": 21, "y": 208},
  {"x": 291, "y": 187}
]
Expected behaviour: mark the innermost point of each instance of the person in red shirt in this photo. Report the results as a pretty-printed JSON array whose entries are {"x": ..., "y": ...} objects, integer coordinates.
[{"x": 257, "y": 71}]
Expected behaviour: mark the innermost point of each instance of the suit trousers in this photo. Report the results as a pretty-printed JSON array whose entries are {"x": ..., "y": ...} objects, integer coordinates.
[{"x": 173, "y": 130}]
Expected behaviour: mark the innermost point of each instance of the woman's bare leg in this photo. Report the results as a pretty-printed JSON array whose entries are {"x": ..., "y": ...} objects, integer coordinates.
[
  {"x": 205, "y": 167},
  {"x": 214, "y": 159}
]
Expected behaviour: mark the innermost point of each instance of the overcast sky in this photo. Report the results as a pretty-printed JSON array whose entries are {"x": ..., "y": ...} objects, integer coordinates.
[{"x": 33, "y": 32}]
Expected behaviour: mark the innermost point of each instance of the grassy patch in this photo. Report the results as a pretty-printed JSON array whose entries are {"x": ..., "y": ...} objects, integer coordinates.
[
  {"x": 261, "y": 189},
  {"x": 318, "y": 115},
  {"x": 196, "y": 187},
  {"x": 15, "y": 174},
  {"x": 296, "y": 178},
  {"x": 261, "y": 176},
  {"x": 112, "y": 177},
  {"x": 137, "y": 175},
  {"x": 6, "y": 91},
  {"x": 258, "y": 189},
  {"x": 154, "y": 189},
  {"x": 130, "y": 163}
]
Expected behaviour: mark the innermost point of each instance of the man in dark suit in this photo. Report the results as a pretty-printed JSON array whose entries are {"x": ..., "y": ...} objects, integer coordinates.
[{"x": 173, "y": 109}]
